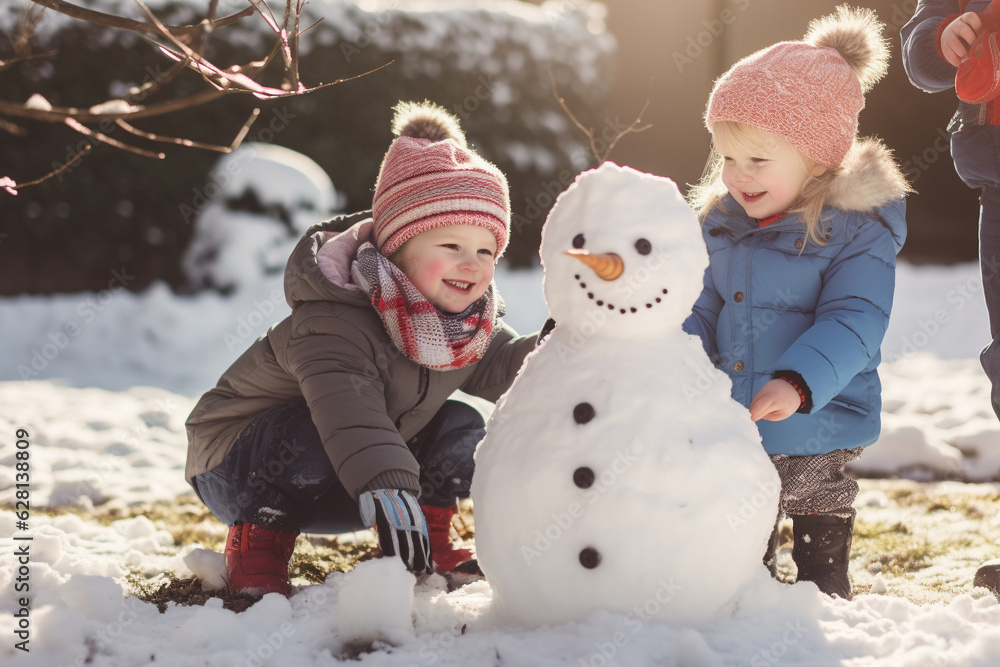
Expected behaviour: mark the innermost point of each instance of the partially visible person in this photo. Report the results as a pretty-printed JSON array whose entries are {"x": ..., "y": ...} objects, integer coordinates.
[
  {"x": 935, "y": 41},
  {"x": 803, "y": 221}
]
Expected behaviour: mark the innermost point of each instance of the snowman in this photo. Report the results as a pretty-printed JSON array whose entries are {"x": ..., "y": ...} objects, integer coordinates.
[{"x": 617, "y": 473}]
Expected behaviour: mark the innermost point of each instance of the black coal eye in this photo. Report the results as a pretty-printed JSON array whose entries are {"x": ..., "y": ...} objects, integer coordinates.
[
  {"x": 643, "y": 247},
  {"x": 578, "y": 241}
]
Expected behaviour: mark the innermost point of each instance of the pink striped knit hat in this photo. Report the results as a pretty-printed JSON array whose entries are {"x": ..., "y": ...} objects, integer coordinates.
[
  {"x": 809, "y": 93},
  {"x": 430, "y": 178}
]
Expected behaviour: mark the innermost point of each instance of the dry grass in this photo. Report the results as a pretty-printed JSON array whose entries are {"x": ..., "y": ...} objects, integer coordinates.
[{"x": 923, "y": 541}]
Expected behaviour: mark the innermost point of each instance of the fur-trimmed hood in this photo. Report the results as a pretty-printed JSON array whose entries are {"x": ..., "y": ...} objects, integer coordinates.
[
  {"x": 868, "y": 183},
  {"x": 869, "y": 178}
]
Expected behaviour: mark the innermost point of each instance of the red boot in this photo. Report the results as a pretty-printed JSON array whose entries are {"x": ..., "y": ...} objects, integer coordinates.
[
  {"x": 257, "y": 559},
  {"x": 444, "y": 553}
]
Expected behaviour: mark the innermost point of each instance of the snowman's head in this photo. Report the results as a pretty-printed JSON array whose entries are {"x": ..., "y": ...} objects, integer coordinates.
[{"x": 622, "y": 251}]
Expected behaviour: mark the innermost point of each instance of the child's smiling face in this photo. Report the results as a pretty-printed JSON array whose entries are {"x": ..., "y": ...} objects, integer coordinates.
[
  {"x": 451, "y": 266},
  {"x": 765, "y": 177}
]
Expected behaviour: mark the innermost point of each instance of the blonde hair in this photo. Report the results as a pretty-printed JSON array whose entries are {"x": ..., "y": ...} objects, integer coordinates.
[{"x": 709, "y": 191}]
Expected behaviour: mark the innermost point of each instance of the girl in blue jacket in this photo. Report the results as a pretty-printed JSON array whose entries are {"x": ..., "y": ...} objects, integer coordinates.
[{"x": 803, "y": 222}]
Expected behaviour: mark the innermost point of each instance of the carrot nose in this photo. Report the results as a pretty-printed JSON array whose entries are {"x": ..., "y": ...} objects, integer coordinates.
[{"x": 607, "y": 266}]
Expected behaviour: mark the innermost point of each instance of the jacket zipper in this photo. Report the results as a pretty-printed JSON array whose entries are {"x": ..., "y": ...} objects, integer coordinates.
[{"x": 422, "y": 386}]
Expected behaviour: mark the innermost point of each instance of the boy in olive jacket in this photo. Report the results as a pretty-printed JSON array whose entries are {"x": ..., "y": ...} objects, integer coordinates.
[{"x": 339, "y": 417}]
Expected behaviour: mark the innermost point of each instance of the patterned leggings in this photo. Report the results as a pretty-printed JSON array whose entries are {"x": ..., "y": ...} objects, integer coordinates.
[{"x": 817, "y": 483}]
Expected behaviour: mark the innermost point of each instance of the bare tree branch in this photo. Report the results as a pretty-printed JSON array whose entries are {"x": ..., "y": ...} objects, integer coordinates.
[
  {"x": 190, "y": 143},
  {"x": 11, "y": 186},
  {"x": 12, "y": 128},
  {"x": 111, "y": 21},
  {"x": 634, "y": 127},
  {"x": 60, "y": 114},
  {"x": 83, "y": 129},
  {"x": 22, "y": 37},
  {"x": 121, "y": 110}
]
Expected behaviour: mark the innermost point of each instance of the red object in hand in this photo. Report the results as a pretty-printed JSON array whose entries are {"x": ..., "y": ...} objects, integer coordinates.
[{"x": 978, "y": 78}]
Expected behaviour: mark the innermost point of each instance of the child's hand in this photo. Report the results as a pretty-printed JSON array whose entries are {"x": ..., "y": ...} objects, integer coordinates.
[
  {"x": 775, "y": 401},
  {"x": 959, "y": 35},
  {"x": 400, "y": 524}
]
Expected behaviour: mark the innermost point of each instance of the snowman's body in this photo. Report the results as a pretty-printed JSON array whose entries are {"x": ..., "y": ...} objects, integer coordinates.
[{"x": 617, "y": 473}]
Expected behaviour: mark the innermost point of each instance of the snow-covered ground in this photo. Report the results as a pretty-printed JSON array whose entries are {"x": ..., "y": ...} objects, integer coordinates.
[
  {"x": 95, "y": 389},
  {"x": 104, "y": 418}
]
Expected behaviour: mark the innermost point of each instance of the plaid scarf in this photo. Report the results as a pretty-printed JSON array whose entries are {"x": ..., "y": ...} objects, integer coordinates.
[{"x": 432, "y": 338}]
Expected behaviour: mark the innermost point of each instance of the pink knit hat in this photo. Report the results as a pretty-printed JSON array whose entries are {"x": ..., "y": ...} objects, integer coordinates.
[
  {"x": 430, "y": 178},
  {"x": 809, "y": 93}
]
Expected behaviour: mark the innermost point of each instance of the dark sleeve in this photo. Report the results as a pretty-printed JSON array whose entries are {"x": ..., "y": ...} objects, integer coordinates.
[
  {"x": 806, "y": 406},
  {"x": 343, "y": 389},
  {"x": 499, "y": 366},
  {"x": 925, "y": 68}
]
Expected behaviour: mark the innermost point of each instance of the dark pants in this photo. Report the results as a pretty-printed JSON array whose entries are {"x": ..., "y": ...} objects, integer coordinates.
[
  {"x": 989, "y": 265},
  {"x": 278, "y": 475}
]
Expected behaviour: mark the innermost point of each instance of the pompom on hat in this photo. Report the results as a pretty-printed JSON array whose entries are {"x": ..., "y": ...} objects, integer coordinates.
[
  {"x": 430, "y": 178},
  {"x": 809, "y": 93}
]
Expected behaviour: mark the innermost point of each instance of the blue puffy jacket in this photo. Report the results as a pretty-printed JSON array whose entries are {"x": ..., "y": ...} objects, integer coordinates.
[
  {"x": 975, "y": 145},
  {"x": 772, "y": 302}
]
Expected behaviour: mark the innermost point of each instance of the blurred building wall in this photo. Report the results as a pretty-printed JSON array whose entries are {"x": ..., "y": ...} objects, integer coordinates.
[{"x": 681, "y": 47}]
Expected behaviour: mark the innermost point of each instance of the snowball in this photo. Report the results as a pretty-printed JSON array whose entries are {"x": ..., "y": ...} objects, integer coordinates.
[
  {"x": 38, "y": 103},
  {"x": 375, "y": 602},
  {"x": 113, "y": 106},
  {"x": 98, "y": 597},
  {"x": 210, "y": 568}
]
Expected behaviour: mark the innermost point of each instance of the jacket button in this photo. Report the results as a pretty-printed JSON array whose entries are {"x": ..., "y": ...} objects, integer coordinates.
[
  {"x": 798, "y": 244},
  {"x": 738, "y": 366},
  {"x": 738, "y": 297}
]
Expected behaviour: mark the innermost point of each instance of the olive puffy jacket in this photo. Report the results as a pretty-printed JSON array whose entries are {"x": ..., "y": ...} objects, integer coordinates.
[
  {"x": 772, "y": 302},
  {"x": 366, "y": 398}
]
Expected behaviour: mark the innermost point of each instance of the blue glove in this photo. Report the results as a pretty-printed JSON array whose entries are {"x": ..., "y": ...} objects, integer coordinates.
[{"x": 401, "y": 527}]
